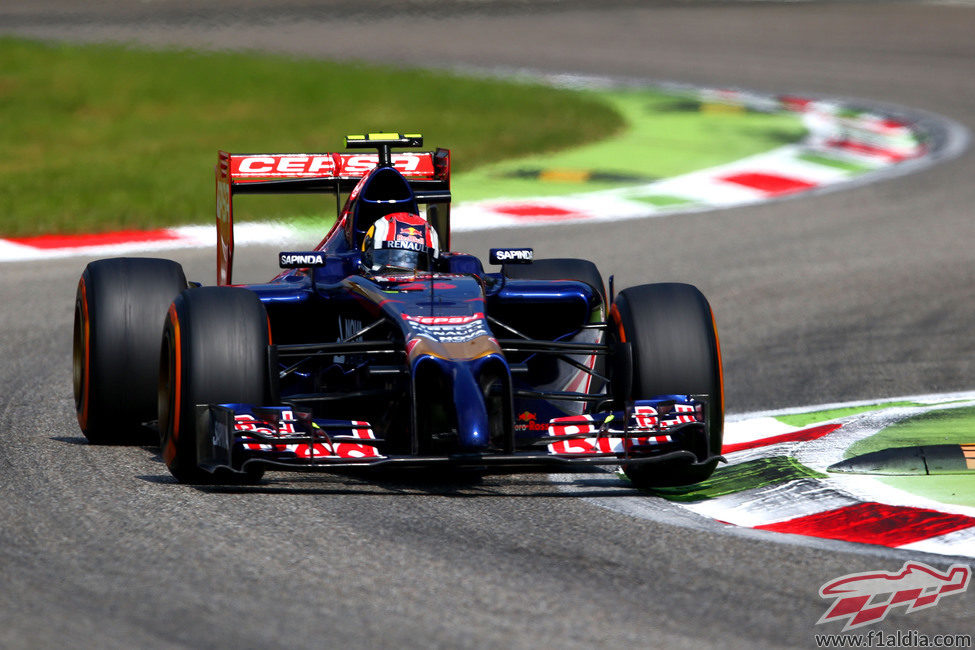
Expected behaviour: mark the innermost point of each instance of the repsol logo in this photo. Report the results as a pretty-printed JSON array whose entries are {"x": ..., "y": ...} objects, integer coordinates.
[
  {"x": 512, "y": 255},
  {"x": 444, "y": 320},
  {"x": 289, "y": 260}
]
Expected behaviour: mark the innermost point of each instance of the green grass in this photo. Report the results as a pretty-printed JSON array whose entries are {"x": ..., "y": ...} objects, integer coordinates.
[
  {"x": 956, "y": 488},
  {"x": 666, "y": 135},
  {"x": 748, "y": 475},
  {"x": 805, "y": 419},
  {"x": 941, "y": 427},
  {"x": 96, "y": 138},
  {"x": 845, "y": 165}
]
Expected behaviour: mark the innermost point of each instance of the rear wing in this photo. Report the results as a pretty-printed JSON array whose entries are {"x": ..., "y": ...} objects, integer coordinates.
[{"x": 428, "y": 173}]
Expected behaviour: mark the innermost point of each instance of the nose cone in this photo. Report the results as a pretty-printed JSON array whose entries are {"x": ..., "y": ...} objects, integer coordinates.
[
  {"x": 461, "y": 362},
  {"x": 472, "y": 416},
  {"x": 450, "y": 396}
]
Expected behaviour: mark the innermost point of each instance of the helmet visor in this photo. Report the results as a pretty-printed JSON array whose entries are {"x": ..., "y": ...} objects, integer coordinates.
[{"x": 396, "y": 258}]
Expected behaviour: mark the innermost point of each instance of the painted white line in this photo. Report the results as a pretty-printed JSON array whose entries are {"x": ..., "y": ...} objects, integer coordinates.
[
  {"x": 11, "y": 252},
  {"x": 182, "y": 237},
  {"x": 755, "y": 429}
]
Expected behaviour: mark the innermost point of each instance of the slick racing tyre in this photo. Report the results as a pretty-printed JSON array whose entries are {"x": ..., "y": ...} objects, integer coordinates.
[
  {"x": 119, "y": 311},
  {"x": 675, "y": 350},
  {"x": 558, "y": 268},
  {"x": 214, "y": 350}
]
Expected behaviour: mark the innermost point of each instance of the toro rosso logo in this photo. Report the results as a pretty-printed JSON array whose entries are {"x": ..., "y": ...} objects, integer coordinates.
[
  {"x": 866, "y": 598},
  {"x": 528, "y": 421}
]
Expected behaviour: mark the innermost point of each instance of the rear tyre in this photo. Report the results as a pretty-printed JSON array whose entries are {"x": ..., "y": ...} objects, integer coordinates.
[
  {"x": 119, "y": 311},
  {"x": 675, "y": 350},
  {"x": 559, "y": 268},
  {"x": 214, "y": 351}
]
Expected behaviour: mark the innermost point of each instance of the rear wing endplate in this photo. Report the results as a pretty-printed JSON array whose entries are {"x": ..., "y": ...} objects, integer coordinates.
[{"x": 428, "y": 173}]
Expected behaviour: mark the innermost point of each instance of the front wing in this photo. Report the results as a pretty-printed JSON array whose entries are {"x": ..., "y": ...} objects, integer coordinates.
[{"x": 236, "y": 436}]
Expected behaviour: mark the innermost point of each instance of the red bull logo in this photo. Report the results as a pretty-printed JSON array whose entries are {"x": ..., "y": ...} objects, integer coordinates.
[
  {"x": 410, "y": 234},
  {"x": 866, "y": 598}
]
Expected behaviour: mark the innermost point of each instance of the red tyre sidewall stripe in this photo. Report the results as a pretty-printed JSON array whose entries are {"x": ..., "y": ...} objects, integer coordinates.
[
  {"x": 717, "y": 345},
  {"x": 614, "y": 316},
  {"x": 169, "y": 453},
  {"x": 86, "y": 376}
]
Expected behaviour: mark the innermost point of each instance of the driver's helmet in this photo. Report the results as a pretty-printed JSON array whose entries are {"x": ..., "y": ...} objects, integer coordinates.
[{"x": 400, "y": 242}]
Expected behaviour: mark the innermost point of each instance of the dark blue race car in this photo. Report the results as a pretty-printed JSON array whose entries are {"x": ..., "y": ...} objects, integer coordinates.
[{"x": 381, "y": 348}]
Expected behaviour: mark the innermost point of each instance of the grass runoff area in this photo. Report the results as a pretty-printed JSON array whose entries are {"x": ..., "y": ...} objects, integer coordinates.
[
  {"x": 105, "y": 137},
  {"x": 940, "y": 427},
  {"x": 937, "y": 427},
  {"x": 666, "y": 135}
]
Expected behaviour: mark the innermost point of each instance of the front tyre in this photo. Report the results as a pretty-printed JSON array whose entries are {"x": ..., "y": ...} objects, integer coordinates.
[
  {"x": 120, "y": 306},
  {"x": 675, "y": 350},
  {"x": 214, "y": 351}
]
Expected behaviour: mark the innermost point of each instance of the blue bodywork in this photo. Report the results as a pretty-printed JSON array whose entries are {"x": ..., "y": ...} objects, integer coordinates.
[
  {"x": 438, "y": 323},
  {"x": 453, "y": 364}
]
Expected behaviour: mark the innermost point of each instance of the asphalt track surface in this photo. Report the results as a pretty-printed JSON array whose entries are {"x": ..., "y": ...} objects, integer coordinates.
[{"x": 864, "y": 293}]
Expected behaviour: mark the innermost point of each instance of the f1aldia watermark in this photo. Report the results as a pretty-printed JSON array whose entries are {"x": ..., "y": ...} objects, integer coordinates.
[
  {"x": 898, "y": 639},
  {"x": 866, "y": 598}
]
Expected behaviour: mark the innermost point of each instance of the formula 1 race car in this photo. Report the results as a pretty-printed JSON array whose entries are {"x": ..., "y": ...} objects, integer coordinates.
[{"x": 379, "y": 348}]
